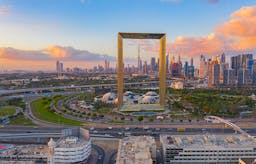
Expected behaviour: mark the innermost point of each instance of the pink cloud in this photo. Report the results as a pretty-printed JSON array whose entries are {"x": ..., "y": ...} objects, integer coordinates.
[
  {"x": 237, "y": 34},
  {"x": 4, "y": 10}
]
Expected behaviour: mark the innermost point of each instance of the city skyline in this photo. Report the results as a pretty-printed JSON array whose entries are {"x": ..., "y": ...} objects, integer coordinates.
[{"x": 31, "y": 38}]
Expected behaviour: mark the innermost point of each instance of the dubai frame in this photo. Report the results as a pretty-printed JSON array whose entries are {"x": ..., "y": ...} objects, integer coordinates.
[{"x": 162, "y": 64}]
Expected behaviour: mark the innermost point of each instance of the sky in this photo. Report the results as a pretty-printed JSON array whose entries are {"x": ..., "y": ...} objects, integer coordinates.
[{"x": 36, "y": 33}]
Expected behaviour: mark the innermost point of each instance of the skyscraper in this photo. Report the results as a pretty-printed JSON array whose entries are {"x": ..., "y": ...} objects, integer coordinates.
[
  {"x": 153, "y": 64},
  {"x": 167, "y": 62},
  {"x": 214, "y": 73},
  {"x": 229, "y": 78},
  {"x": 244, "y": 77},
  {"x": 139, "y": 60},
  {"x": 242, "y": 61},
  {"x": 145, "y": 67},
  {"x": 106, "y": 66},
  {"x": 186, "y": 69},
  {"x": 59, "y": 68},
  {"x": 191, "y": 62},
  {"x": 202, "y": 67},
  {"x": 223, "y": 58}
]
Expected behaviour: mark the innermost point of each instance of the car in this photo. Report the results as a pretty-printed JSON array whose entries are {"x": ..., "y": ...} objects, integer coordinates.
[
  {"x": 95, "y": 131},
  {"x": 109, "y": 127},
  {"x": 92, "y": 128},
  {"x": 146, "y": 128},
  {"x": 127, "y": 128}
]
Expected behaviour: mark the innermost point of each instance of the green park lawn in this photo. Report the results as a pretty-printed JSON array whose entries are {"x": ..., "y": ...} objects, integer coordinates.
[
  {"x": 22, "y": 121},
  {"x": 7, "y": 110},
  {"x": 40, "y": 109}
]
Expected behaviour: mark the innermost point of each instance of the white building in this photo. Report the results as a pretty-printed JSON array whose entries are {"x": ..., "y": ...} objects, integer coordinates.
[
  {"x": 177, "y": 85},
  {"x": 74, "y": 147},
  {"x": 136, "y": 150},
  {"x": 194, "y": 149}
]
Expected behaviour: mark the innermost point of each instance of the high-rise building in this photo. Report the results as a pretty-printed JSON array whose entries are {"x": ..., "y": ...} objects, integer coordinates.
[
  {"x": 222, "y": 58},
  {"x": 191, "y": 72},
  {"x": 145, "y": 68},
  {"x": 244, "y": 77},
  {"x": 153, "y": 64},
  {"x": 59, "y": 68},
  {"x": 242, "y": 61},
  {"x": 186, "y": 69},
  {"x": 106, "y": 66},
  {"x": 191, "y": 69},
  {"x": 214, "y": 73},
  {"x": 254, "y": 72},
  {"x": 191, "y": 62},
  {"x": 139, "y": 61},
  {"x": 229, "y": 78},
  {"x": 167, "y": 62},
  {"x": 202, "y": 67}
]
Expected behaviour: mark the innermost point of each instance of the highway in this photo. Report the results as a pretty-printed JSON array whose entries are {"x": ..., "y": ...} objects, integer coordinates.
[
  {"x": 120, "y": 132},
  {"x": 8, "y": 92}
]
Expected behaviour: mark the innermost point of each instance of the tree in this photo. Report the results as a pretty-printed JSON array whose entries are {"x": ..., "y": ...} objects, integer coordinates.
[{"x": 140, "y": 118}]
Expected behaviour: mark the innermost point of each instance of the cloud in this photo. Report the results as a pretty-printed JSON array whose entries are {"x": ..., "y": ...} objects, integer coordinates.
[
  {"x": 241, "y": 27},
  {"x": 59, "y": 52},
  {"x": 4, "y": 10},
  {"x": 15, "y": 54},
  {"x": 236, "y": 35},
  {"x": 53, "y": 53}
]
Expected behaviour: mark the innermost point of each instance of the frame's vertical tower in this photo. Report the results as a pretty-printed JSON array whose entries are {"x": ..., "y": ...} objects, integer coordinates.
[
  {"x": 120, "y": 73},
  {"x": 162, "y": 71}
]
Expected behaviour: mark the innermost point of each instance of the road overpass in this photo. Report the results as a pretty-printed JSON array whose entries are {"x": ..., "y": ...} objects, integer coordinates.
[
  {"x": 36, "y": 90},
  {"x": 227, "y": 123}
]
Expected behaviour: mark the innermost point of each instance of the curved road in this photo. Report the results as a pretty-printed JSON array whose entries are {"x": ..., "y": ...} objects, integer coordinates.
[
  {"x": 28, "y": 113},
  {"x": 112, "y": 158},
  {"x": 101, "y": 154}
]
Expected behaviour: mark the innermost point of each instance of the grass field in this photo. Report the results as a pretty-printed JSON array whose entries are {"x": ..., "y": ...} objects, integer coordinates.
[
  {"x": 7, "y": 110},
  {"x": 22, "y": 121},
  {"x": 41, "y": 110}
]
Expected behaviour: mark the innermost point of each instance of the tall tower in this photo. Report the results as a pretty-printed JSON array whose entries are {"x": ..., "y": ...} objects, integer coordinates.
[
  {"x": 202, "y": 67},
  {"x": 191, "y": 62},
  {"x": 139, "y": 61},
  {"x": 167, "y": 62}
]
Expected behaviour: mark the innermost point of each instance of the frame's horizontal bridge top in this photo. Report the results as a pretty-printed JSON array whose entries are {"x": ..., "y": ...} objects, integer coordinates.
[{"x": 127, "y": 35}]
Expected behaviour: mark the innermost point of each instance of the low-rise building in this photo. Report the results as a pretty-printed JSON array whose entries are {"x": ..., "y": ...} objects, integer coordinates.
[
  {"x": 136, "y": 150},
  {"x": 207, "y": 148},
  {"x": 74, "y": 147}
]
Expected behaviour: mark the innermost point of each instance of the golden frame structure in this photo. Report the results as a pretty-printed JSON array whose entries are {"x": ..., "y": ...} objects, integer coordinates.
[{"x": 162, "y": 63}]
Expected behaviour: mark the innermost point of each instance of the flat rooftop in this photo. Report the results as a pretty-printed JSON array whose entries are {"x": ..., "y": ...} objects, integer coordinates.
[
  {"x": 219, "y": 142},
  {"x": 135, "y": 149},
  {"x": 70, "y": 142}
]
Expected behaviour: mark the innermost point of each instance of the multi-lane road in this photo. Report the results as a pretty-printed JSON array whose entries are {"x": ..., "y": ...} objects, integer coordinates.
[
  {"x": 121, "y": 132},
  {"x": 28, "y": 90}
]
